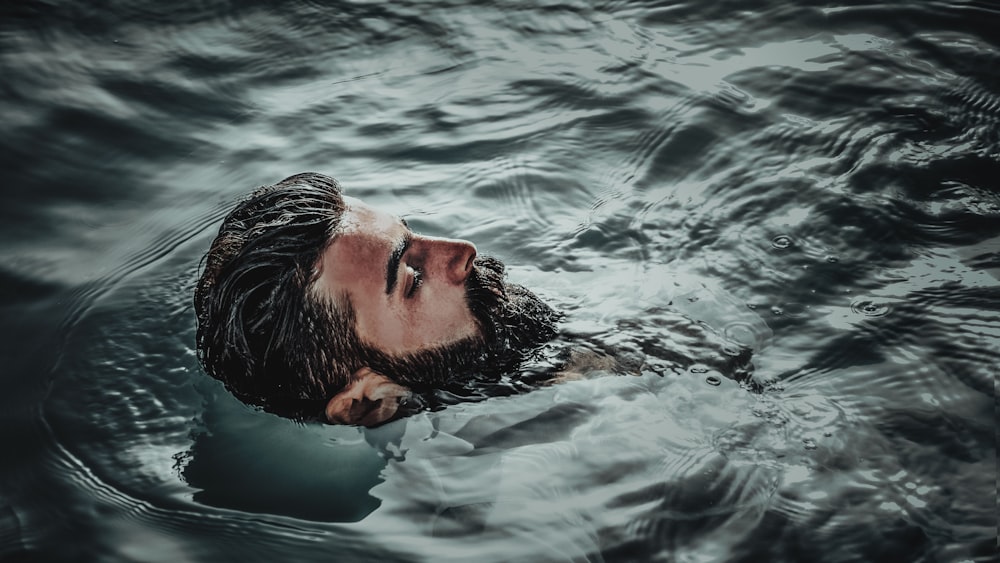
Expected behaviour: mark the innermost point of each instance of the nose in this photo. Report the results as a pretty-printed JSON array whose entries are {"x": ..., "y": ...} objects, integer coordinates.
[{"x": 451, "y": 258}]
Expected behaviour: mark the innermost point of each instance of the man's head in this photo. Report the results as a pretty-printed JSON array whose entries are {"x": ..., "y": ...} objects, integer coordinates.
[{"x": 314, "y": 302}]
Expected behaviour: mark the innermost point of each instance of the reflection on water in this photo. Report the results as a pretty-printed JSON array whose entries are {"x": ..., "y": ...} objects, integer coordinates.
[{"x": 781, "y": 219}]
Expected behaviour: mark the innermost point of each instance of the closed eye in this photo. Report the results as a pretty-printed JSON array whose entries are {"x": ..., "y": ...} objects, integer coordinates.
[{"x": 417, "y": 279}]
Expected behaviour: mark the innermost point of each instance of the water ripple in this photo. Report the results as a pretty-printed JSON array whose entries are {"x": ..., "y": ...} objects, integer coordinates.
[{"x": 779, "y": 219}]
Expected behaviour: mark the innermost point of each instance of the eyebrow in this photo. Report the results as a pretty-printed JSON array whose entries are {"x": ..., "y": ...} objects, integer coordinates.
[{"x": 392, "y": 267}]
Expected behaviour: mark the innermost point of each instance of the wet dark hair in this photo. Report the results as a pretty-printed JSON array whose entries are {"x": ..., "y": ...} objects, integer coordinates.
[{"x": 262, "y": 331}]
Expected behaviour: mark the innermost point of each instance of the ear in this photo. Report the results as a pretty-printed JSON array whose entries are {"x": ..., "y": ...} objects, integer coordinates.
[{"x": 369, "y": 399}]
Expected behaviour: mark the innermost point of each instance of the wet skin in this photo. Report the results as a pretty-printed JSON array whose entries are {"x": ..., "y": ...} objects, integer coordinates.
[{"x": 408, "y": 290}]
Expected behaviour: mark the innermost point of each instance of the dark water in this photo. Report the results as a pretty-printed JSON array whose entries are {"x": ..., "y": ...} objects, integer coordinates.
[{"x": 816, "y": 181}]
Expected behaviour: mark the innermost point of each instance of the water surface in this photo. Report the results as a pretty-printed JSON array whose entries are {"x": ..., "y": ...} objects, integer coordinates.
[{"x": 814, "y": 182}]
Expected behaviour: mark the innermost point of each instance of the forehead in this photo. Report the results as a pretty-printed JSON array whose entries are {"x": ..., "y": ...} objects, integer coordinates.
[
  {"x": 354, "y": 261},
  {"x": 359, "y": 217}
]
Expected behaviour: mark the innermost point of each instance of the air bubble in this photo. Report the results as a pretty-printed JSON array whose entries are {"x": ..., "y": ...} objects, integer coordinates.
[
  {"x": 713, "y": 380},
  {"x": 832, "y": 259},
  {"x": 809, "y": 444},
  {"x": 741, "y": 333},
  {"x": 781, "y": 241},
  {"x": 698, "y": 368}
]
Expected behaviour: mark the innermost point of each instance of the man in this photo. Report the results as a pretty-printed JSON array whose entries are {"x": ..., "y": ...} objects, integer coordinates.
[{"x": 314, "y": 305}]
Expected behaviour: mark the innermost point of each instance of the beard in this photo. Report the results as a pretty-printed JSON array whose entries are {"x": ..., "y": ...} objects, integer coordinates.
[{"x": 512, "y": 321}]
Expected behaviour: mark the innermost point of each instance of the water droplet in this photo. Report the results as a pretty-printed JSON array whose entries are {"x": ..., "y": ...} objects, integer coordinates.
[
  {"x": 781, "y": 241},
  {"x": 713, "y": 380},
  {"x": 869, "y": 308}
]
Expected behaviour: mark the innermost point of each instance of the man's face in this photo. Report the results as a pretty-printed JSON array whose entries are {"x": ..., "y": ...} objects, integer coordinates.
[
  {"x": 428, "y": 308},
  {"x": 408, "y": 291}
]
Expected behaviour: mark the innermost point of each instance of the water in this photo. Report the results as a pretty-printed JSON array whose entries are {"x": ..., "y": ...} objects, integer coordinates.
[{"x": 817, "y": 182}]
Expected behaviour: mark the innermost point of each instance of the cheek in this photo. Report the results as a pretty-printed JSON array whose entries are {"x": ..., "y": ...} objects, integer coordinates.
[{"x": 443, "y": 311}]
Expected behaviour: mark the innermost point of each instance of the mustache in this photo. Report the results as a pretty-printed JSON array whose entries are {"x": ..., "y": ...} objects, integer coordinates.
[
  {"x": 486, "y": 294},
  {"x": 512, "y": 322},
  {"x": 511, "y": 317}
]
